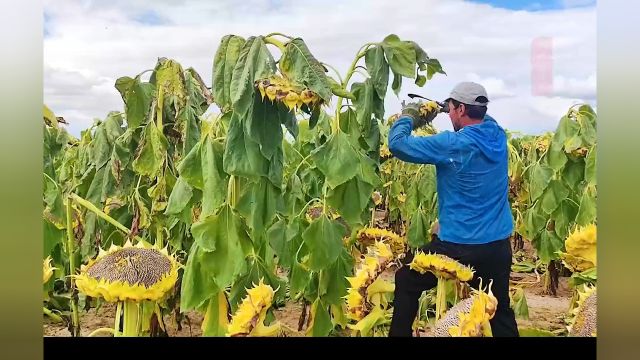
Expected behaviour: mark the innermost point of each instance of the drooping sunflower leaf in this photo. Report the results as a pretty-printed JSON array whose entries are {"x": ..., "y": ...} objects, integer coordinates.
[
  {"x": 323, "y": 238},
  {"x": 297, "y": 63},
  {"x": 418, "y": 230},
  {"x": 137, "y": 98},
  {"x": 401, "y": 55},
  {"x": 258, "y": 204},
  {"x": 378, "y": 68},
  {"x": 223, "y": 236},
  {"x": 197, "y": 284},
  {"x": 333, "y": 285},
  {"x": 263, "y": 125},
  {"x": 179, "y": 197},
  {"x": 223, "y": 64},
  {"x": 555, "y": 192},
  {"x": 336, "y": 159},
  {"x": 254, "y": 62},
  {"x": 151, "y": 152}
]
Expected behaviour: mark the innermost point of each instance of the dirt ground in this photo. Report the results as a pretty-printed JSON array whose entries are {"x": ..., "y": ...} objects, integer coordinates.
[{"x": 545, "y": 312}]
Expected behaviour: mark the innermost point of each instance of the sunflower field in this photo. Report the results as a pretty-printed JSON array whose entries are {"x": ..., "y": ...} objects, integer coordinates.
[{"x": 286, "y": 193}]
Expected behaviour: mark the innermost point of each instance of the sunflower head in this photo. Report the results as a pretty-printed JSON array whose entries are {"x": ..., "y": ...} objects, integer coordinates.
[
  {"x": 441, "y": 266},
  {"x": 469, "y": 317},
  {"x": 47, "y": 270},
  {"x": 369, "y": 236},
  {"x": 129, "y": 273},
  {"x": 584, "y": 322},
  {"x": 248, "y": 319},
  {"x": 580, "y": 247}
]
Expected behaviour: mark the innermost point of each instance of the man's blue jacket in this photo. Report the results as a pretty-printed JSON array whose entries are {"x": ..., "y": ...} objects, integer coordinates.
[{"x": 472, "y": 178}]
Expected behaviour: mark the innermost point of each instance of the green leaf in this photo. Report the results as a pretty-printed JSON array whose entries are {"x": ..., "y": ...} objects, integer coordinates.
[
  {"x": 297, "y": 63},
  {"x": 539, "y": 179},
  {"x": 197, "y": 285},
  {"x": 168, "y": 78},
  {"x": 188, "y": 119},
  {"x": 223, "y": 236},
  {"x": 349, "y": 125},
  {"x": 564, "y": 218},
  {"x": 336, "y": 159},
  {"x": 263, "y": 125},
  {"x": 179, "y": 197},
  {"x": 434, "y": 67},
  {"x": 254, "y": 62},
  {"x": 519, "y": 304},
  {"x": 190, "y": 168},
  {"x": 590, "y": 167},
  {"x": 378, "y": 68},
  {"x": 334, "y": 284},
  {"x": 396, "y": 84},
  {"x": 137, "y": 98},
  {"x": 52, "y": 237},
  {"x": 321, "y": 319},
  {"x": 151, "y": 151},
  {"x": 534, "y": 221},
  {"x": 242, "y": 155},
  {"x": 277, "y": 237},
  {"x": 216, "y": 321},
  {"x": 572, "y": 143},
  {"x": 258, "y": 204},
  {"x": 214, "y": 177},
  {"x": 323, "y": 238},
  {"x": 420, "y": 80},
  {"x": 573, "y": 173},
  {"x": 367, "y": 103},
  {"x": 223, "y": 64},
  {"x": 418, "y": 230},
  {"x": 547, "y": 246},
  {"x": 587, "y": 210},
  {"x": 401, "y": 55},
  {"x": 351, "y": 199},
  {"x": 555, "y": 192}
]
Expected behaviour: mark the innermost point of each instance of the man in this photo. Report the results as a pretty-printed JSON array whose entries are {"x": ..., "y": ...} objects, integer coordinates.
[{"x": 475, "y": 220}]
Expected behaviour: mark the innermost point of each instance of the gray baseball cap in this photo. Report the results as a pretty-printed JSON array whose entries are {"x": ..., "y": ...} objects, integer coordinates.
[{"x": 469, "y": 93}]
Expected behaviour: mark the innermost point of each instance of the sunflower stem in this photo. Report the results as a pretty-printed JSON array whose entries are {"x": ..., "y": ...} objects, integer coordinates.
[
  {"x": 51, "y": 314},
  {"x": 89, "y": 206},
  {"x": 103, "y": 330},
  {"x": 116, "y": 327},
  {"x": 441, "y": 298},
  {"x": 75, "y": 318},
  {"x": 130, "y": 327},
  {"x": 159, "y": 241}
]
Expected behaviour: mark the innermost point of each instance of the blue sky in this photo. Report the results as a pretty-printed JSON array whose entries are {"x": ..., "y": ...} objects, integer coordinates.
[{"x": 530, "y": 5}]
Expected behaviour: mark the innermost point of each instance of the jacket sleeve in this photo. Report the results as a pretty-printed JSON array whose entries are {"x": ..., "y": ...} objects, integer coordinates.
[{"x": 433, "y": 149}]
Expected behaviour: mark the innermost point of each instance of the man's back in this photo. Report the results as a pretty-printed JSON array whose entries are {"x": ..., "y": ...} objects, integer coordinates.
[
  {"x": 472, "y": 178},
  {"x": 473, "y": 186}
]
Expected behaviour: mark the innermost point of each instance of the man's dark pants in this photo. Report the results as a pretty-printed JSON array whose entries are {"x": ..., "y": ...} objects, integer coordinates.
[{"x": 489, "y": 261}]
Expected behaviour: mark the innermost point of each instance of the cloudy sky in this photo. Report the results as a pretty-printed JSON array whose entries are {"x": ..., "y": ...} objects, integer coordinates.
[{"x": 536, "y": 58}]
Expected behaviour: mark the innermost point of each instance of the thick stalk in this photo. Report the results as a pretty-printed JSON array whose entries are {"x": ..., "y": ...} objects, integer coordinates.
[
  {"x": 51, "y": 314},
  {"x": 441, "y": 298},
  {"x": 159, "y": 241},
  {"x": 335, "y": 126},
  {"x": 116, "y": 326},
  {"x": 75, "y": 317},
  {"x": 159, "y": 111},
  {"x": 130, "y": 326},
  {"x": 272, "y": 41},
  {"x": 103, "y": 216}
]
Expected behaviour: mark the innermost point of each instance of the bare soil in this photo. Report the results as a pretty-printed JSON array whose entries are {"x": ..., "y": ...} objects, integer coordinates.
[{"x": 546, "y": 312}]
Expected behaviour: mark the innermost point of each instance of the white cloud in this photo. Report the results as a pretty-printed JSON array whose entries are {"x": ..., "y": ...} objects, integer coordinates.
[{"x": 92, "y": 43}]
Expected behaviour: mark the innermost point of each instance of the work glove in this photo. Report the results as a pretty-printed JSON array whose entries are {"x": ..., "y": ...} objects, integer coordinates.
[{"x": 420, "y": 113}]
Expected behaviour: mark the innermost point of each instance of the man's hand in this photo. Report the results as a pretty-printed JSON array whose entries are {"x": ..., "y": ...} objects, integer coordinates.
[{"x": 421, "y": 113}]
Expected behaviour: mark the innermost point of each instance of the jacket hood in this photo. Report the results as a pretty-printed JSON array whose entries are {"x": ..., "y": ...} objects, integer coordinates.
[{"x": 489, "y": 137}]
